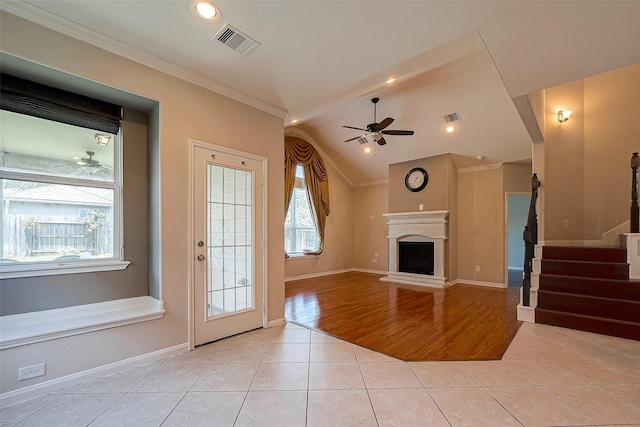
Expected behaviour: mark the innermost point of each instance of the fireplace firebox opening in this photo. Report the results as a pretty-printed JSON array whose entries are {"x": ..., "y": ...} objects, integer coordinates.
[{"x": 416, "y": 257}]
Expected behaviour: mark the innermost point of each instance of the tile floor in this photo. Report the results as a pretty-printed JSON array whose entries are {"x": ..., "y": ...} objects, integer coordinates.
[{"x": 291, "y": 376}]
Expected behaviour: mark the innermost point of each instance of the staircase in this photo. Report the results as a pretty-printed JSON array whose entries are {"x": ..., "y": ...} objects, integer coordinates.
[{"x": 588, "y": 288}]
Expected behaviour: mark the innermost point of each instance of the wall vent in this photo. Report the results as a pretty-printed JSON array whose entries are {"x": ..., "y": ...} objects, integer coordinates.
[
  {"x": 236, "y": 40},
  {"x": 452, "y": 117}
]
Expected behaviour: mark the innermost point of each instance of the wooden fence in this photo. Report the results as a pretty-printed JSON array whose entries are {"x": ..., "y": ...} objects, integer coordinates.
[{"x": 28, "y": 236}]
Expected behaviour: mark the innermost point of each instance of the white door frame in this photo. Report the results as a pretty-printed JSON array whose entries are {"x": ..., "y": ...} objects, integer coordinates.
[
  {"x": 506, "y": 232},
  {"x": 193, "y": 144}
]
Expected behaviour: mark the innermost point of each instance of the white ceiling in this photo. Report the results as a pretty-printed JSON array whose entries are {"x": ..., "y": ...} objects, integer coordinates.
[{"x": 322, "y": 61}]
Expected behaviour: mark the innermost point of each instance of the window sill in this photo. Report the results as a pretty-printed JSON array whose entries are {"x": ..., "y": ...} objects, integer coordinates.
[
  {"x": 302, "y": 256},
  {"x": 29, "y": 328},
  {"x": 18, "y": 270}
]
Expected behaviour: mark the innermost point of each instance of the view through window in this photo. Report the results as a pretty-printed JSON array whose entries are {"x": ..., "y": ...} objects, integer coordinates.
[
  {"x": 60, "y": 191},
  {"x": 300, "y": 233}
]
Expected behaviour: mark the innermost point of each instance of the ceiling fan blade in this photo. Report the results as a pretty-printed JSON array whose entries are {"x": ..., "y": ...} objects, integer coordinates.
[
  {"x": 381, "y": 141},
  {"x": 353, "y": 139},
  {"x": 397, "y": 132},
  {"x": 383, "y": 124},
  {"x": 351, "y": 127}
]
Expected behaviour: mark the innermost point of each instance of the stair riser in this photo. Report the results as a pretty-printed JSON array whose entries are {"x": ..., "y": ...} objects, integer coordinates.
[
  {"x": 586, "y": 269},
  {"x": 598, "y": 326},
  {"x": 626, "y": 290},
  {"x": 585, "y": 254},
  {"x": 597, "y": 307}
]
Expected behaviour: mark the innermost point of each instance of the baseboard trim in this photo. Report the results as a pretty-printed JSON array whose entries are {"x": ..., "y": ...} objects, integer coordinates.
[
  {"x": 277, "y": 322},
  {"x": 364, "y": 270},
  {"x": 311, "y": 276},
  {"x": 526, "y": 314},
  {"x": 36, "y": 390},
  {"x": 477, "y": 283}
]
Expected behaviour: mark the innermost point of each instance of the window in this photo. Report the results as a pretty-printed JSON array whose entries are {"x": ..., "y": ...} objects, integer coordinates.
[
  {"x": 300, "y": 234},
  {"x": 61, "y": 186}
]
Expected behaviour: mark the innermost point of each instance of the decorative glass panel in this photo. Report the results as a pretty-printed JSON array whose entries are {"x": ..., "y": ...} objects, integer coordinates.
[{"x": 230, "y": 243}]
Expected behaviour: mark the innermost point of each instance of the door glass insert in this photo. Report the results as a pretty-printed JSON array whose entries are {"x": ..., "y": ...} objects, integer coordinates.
[{"x": 230, "y": 285}]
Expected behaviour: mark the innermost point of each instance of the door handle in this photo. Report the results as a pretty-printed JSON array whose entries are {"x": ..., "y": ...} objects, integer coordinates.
[{"x": 200, "y": 257}]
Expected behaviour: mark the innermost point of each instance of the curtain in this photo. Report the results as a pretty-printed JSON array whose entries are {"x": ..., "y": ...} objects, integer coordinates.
[{"x": 299, "y": 152}]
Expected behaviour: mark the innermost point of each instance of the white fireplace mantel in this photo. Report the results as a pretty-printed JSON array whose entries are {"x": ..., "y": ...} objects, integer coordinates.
[{"x": 421, "y": 226}]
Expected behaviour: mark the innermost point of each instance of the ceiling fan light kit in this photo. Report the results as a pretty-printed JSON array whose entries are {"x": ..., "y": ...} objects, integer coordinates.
[{"x": 376, "y": 131}]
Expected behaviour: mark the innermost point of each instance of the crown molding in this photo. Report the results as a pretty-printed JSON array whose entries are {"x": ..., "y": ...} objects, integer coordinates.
[
  {"x": 61, "y": 25},
  {"x": 480, "y": 168},
  {"x": 370, "y": 183}
]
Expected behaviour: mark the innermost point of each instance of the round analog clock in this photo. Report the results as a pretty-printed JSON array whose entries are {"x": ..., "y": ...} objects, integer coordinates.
[{"x": 416, "y": 179}]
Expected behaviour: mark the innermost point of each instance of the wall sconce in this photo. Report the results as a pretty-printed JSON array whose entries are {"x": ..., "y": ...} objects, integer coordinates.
[
  {"x": 563, "y": 116},
  {"x": 102, "y": 139}
]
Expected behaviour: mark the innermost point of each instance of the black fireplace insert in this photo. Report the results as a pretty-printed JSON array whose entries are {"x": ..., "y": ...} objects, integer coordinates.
[{"x": 416, "y": 257}]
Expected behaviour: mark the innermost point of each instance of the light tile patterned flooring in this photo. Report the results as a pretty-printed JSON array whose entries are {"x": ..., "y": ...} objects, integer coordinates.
[{"x": 292, "y": 376}]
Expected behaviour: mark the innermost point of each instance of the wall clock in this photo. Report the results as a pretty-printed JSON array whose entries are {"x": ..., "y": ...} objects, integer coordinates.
[{"x": 416, "y": 179}]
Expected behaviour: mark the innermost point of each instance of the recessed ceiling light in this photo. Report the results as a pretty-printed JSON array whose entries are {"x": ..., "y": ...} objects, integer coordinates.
[
  {"x": 450, "y": 129},
  {"x": 391, "y": 80},
  {"x": 367, "y": 150},
  {"x": 207, "y": 10}
]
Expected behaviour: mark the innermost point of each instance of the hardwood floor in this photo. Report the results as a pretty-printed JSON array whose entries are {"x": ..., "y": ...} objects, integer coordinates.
[{"x": 411, "y": 323}]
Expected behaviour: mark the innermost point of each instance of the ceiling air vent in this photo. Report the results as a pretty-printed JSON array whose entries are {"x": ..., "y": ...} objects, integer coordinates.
[
  {"x": 236, "y": 40},
  {"x": 452, "y": 117}
]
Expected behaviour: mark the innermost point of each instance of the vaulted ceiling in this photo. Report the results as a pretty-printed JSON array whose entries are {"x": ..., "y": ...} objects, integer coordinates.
[{"x": 322, "y": 61}]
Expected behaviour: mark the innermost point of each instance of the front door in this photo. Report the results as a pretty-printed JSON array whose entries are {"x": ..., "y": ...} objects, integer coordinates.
[{"x": 228, "y": 242}]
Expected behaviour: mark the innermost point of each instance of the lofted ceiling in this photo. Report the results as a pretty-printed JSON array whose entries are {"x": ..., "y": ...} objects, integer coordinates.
[{"x": 322, "y": 61}]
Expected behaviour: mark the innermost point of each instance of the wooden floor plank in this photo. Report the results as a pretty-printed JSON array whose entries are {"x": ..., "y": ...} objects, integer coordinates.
[{"x": 462, "y": 322}]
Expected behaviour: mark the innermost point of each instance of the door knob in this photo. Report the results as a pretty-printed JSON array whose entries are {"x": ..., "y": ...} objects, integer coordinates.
[{"x": 200, "y": 257}]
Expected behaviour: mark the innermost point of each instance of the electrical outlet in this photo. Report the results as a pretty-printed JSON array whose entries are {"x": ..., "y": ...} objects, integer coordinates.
[
  {"x": 32, "y": 371},
  {"x": 319, "y": 262},
  {"x": 420, "y": 207},
  {"x": 566, "y": 223},
  {"x": 477, "y": 269},
  {"x": 373, "y": 260}
]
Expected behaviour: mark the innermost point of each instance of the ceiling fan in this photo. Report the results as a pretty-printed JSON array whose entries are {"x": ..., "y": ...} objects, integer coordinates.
[
  {"x": 375, "y": 131},
  {"x": 89, "y": 165}
]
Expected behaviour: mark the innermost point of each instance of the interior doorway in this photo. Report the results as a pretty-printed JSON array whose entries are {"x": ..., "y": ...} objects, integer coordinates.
[{"x": 517, "y": 209}]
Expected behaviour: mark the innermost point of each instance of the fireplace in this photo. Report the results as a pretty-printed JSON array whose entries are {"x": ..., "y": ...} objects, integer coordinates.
[
  {"x": 415, "y": 257},
  {"x": 421, "y": 238}
]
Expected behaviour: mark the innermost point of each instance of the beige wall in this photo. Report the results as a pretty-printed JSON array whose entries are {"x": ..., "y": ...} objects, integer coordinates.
[
  {"x": 435, "y": 197},
  {"x": 338, "y": 245},
  {"x": 481, "y": 226},
  {"x": 564, "y": 163},
  {"x": 587, "y": 173},
  {"x": 186, "y": 111},
  {"x": 370, "y": 227},
  {"x": 481, "y": 220}
]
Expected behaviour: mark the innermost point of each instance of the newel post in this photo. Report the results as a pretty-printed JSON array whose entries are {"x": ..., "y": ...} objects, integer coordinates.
[
  {"x": 635, "y": 164},
  {"x": 530, "y": 237}
]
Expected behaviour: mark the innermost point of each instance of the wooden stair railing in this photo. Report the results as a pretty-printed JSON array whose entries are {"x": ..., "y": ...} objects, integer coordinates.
[
  {"x": 635, "y": 211},
  {"x": 530, "y": 237}
]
